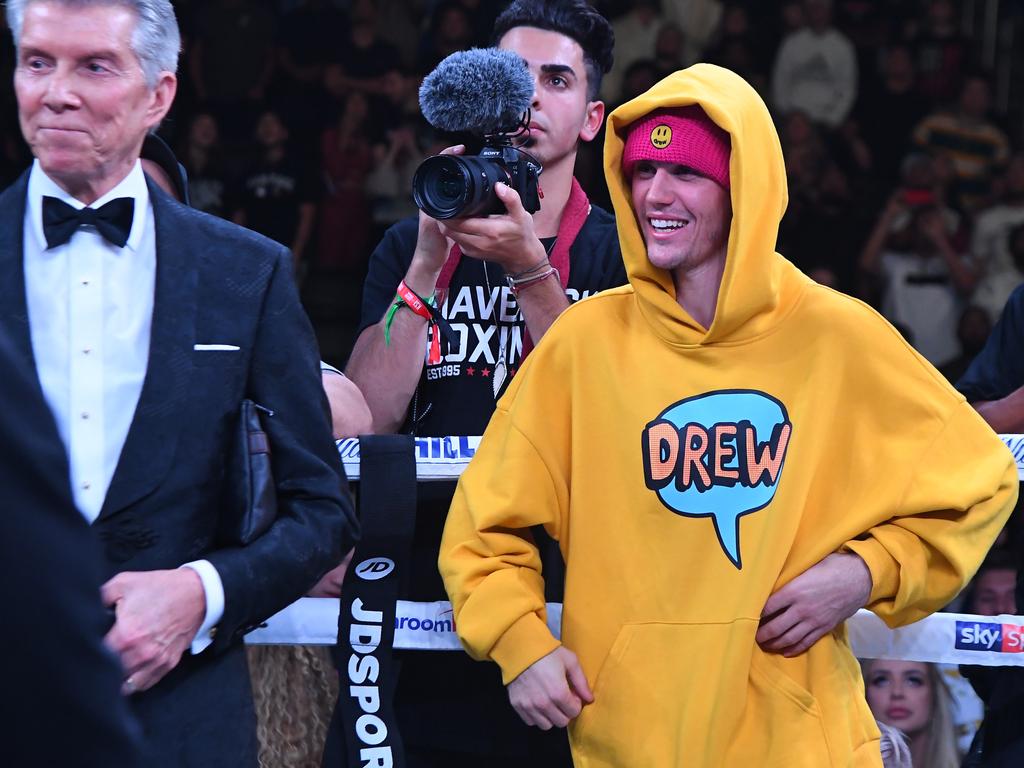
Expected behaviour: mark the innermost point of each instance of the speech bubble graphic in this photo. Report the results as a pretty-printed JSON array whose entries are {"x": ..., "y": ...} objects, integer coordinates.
[{"x": 718, "y": 455}]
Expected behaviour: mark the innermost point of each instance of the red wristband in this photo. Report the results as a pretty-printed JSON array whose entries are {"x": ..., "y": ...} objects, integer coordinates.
[
  {"x": 414, "y": 302},
  {"x": 420, "y": 307}
]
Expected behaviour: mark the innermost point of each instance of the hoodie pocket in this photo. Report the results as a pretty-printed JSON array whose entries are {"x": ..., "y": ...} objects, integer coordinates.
[
  {"x": 692, "y": 694},
  {"x": 781, "y": 725}
]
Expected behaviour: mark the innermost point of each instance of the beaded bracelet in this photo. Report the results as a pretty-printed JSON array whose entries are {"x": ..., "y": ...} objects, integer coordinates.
[
  {"x": 518, "y": 284},
  {"x": 535, "y": 268}
]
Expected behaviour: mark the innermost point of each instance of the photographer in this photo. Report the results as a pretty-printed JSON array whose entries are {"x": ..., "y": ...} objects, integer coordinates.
[{"x": 451, "y": 710}]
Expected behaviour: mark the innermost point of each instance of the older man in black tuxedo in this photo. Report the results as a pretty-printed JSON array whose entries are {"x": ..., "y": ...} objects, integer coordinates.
[{"x": 146, "y": 324}]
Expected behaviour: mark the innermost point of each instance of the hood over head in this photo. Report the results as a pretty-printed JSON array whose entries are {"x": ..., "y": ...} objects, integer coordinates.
[{"x": 758, "y": 286}]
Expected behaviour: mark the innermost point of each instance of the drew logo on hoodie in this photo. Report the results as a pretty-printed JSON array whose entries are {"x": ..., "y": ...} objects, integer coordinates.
[{"x": 718, "y": 455}]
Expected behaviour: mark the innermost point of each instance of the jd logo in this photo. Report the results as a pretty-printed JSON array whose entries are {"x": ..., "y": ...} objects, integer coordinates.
[
  {"x": 375, "y": 568},
  {"x": 718, "y": 455},
  {"x": 661, "y": 136}
]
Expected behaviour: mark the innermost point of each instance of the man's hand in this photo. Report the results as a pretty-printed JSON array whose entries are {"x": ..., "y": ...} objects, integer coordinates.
[
  {"x": 431, "y": 248},
  {"x": 330, "y": 583},
  {"x": 157, "y": 616},
  {"x": 551, "y": 691},
  {"x": 508, "y": 239},
  {"x": 813, "y": 604}
]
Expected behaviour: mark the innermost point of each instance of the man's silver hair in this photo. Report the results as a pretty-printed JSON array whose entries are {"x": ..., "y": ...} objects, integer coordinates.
[{"x": 156, "y": 41}]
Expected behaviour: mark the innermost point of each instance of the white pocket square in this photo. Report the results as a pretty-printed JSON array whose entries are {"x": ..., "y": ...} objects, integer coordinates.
[{"x": 215, "y": 348}]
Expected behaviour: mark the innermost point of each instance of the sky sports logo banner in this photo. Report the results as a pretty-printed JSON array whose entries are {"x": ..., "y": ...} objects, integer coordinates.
[{"x": 989, "y": 636}]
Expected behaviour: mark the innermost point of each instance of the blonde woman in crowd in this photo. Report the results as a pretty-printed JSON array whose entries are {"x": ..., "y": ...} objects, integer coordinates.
[{"x": 912, "y": 697}]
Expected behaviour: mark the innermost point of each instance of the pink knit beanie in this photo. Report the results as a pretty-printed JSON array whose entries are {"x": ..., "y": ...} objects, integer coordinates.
[{"x": 680, "y": 135}]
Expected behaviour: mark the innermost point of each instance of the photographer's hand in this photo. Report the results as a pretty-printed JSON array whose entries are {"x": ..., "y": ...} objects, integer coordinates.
[
  {"x": 428, "y": 258},
  {"x": 431, "y": 248},
  {"x": 510, "y": 241},
  {"x": 387, "y": 374}
]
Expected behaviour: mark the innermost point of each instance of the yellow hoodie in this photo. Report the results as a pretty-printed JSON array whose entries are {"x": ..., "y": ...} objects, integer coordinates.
[{"x": 688, "y": 473}]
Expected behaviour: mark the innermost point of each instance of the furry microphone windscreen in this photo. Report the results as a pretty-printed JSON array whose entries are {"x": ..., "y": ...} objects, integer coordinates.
[{"x": 480, "y": 91}]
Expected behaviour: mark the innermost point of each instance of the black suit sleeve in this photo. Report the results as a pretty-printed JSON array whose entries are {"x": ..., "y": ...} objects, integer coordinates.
[
  {"x": 61, "y": 702},
  {"x": 316, "y": 523}
]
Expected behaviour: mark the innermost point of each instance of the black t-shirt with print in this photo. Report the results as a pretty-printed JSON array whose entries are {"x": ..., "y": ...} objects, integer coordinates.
[
  {"x": 271, "y": 194},
  {"x": 446, "y": 700},
  {"x": 457, "y": 396}
]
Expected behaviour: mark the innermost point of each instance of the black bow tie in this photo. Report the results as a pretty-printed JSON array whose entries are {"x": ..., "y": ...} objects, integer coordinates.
[{"x": 113, "y": 220}]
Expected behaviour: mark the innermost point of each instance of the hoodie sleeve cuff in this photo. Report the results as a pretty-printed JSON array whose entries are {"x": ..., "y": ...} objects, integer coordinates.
[
  {"x": 884, "y": 568},
  {"x": 524, "y": 643}
]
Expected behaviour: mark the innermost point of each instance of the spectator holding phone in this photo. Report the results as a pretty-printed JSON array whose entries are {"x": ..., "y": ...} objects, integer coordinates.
[{"x": 923, "y": 278}]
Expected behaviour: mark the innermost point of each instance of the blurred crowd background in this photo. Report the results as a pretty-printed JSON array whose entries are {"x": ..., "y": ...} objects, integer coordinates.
[{"x": 902, "y": 123}]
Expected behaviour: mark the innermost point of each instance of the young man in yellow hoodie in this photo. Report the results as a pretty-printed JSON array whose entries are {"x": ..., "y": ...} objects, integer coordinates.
[{"x": 733, "y": 460}]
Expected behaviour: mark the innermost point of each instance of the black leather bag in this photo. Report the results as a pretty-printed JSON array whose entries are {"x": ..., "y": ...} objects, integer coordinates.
[{"x": 251, "y": 504}]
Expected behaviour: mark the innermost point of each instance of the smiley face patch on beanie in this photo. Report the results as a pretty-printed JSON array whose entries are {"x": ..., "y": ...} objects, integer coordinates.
[
  {"x": 682, "y": 136},
  {"x": 661, "y": 136}
]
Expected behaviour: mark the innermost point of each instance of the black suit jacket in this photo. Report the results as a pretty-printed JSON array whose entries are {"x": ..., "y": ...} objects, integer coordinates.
[
  {"x": 216, "y": 283},
  {"x": 54, "y": 666}
]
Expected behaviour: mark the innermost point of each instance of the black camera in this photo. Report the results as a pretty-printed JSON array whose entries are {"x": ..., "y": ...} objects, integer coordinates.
[{"x": 460, "y": 186}]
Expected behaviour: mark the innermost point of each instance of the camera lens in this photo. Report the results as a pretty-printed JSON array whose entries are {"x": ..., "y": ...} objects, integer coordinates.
[{"x": 449, "y": 186}]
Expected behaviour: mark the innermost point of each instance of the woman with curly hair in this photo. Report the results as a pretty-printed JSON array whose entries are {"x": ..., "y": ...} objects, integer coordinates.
[{"x": 294, "y": 689}]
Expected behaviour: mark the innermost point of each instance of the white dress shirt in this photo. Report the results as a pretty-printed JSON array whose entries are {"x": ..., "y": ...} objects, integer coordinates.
[{"x": 90, "y": 309}]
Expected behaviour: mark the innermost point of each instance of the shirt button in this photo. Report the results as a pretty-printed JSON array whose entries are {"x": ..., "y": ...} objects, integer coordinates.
[
  {"x": 86, "y": 351},
  {"x": 85, "y": 414},
  {"x": 86, "y": 485},
  {"x": 85, "y": 282}
]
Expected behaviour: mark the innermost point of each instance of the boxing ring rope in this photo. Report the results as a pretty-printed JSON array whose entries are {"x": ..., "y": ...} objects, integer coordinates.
[{"x": 950, "y": 638}]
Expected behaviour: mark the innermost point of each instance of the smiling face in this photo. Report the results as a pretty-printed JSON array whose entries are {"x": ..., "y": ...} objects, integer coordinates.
[
  {"x": 83, "y": 102},
  {"x": 684, "y": 217},
  {"x": 560, "y": 114},
  {"x": 900, "y": 694}
]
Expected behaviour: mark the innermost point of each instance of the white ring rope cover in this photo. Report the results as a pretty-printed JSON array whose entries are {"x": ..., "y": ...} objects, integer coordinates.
[{"x": 949, "y": 638}]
